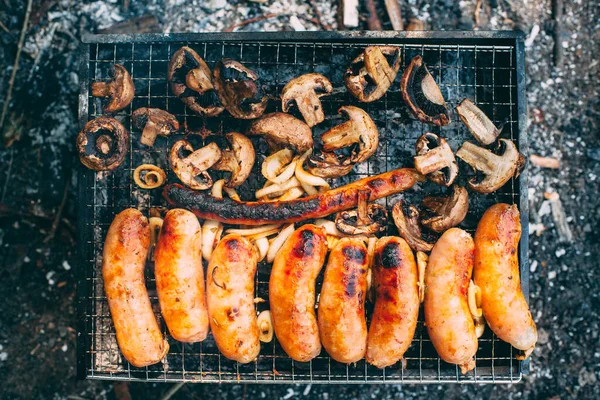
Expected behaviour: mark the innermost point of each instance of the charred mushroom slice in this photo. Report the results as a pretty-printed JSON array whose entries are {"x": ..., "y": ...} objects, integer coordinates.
[
  {"x": 237, "y": 89},
  {"x": 154, "y": 122},
  {"x": 422, "y": 95},
  {"x": 306, "y": 90},
  {"x": 450, "y": 211},
  {"x": 498, "y": 169},
  {"x": 370, "y": 74},
  {"x": 480, "y": 126},
  {"x": 367, "y": 219},
  {"x": 238, "y": 159},
  {"x": 191, "y": 80},
  {"x": 359, "y": 131},
  {"x": 102, "y": 144},
  {"x": 436, "y": 159},
  {"x": 408, "y": 227},
  {"x": 120, "y": 89},
  {"x": 328, "y": 165},
  {"x": 282, "y": 130},
  {"x": 189, "y": 168}
]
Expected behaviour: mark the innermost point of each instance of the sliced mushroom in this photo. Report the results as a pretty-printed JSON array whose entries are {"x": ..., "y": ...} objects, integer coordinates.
[
  {"x": 154, "y": 122},
  {"x": 370, "y": 74},
  {"x": 480, "y": 126},
  {"x": 436, "y": 159},
  {"x": 238, "y": 160},
  {"x": 102, "y": 144},
  {"x": 189, "y": 168},
  {"x": 359, "y": 131},
  {"x": 306, "y": 91},
  {"x": 367, "y": 219},
  {"x": 408, "y": 227},
  {"x": 450, "y": 211},
  {"x": 328, "y": 165},
  {"x": 237, "y": 89},
  {"x": 282, "y": 130},
  {"x": 498, "y": 169},
  {"x": 120, "y": 89},
  {"x": 191, "y": 80},
  {"x": 422, "y": 95}
]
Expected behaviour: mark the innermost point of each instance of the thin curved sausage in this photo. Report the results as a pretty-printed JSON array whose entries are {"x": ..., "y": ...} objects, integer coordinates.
[
  {"x": 342, "y": 323},
  {"x": 319, "y": 205},
  {"x": 449, "y": 322},
  {"x": 230, "y": 297},
  {"x": 497, "y": 275},
  {"x": 123, "y": 262},
  {"x": 292, "y": 292},
  {"x": 180, "y": 278},
  {"x": 396, "y": 310}
]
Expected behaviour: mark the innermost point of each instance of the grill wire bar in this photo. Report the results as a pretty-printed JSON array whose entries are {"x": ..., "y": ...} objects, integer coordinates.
[{"x": 489, "y": 71}]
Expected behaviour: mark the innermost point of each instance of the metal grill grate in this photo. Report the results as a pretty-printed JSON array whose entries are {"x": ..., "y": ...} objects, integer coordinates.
[{"x": 487, "y": 68}]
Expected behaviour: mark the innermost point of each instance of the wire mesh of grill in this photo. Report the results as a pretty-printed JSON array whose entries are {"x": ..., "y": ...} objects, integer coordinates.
[{"x": 485, "y": 73}]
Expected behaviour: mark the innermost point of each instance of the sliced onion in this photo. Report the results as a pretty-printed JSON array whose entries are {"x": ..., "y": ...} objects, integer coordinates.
[
  {"x": 265, "y": 326},
  {"x": 153, "y": 178},
  {"x": 211, "y": 234},
  {"x": 307, "y": 179},
  {"x": 278, "y": 167},
  {"x": 262, "y": 244},
  {"x": 422, "y": 260},
  {"x": 330, "y": 228},
  {"x": 217, "y": 189},
  {"x": 291, "y": 194},
  {"x": 476, "y": 312},
  {"x": 479, "y": 326},
  {"x": 332, "y": 241},
  {"x": 277, "y": 189},
  {"x": 155, "y": 227},
  {"x": 279, "y": 240},
  {"x": 255, "y": 232}
]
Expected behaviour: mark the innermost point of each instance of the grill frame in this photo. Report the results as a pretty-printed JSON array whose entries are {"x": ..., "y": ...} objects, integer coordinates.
[{"x": 87, "y": 179}]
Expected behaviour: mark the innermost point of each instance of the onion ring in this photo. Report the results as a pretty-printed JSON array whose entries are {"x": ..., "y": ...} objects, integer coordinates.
[{"x": 159, "y": 176}]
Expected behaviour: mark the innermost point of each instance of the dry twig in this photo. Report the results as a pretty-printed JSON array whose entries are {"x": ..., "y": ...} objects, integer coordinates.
[
  {"x": 174, "y": 389},
  {"x": 251, "y": 21},
  {"x": 11, "y": 82},
  {"x": 319, "y": 16},
  {"x": 477, "y": 11},
  {"x": 372, "y": 20},
  {"x": 4, "y": 28},
  {"x": 544, "y": 162},
  {"x": 559, "y": 217},
  {"x": 59, "y": 212},
  {"x": 395, "y": 13}
]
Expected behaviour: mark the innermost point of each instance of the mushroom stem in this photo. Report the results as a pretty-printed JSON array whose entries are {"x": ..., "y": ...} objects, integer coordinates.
[
  {"x": 204, "y": 158},
  {"x": 149, "y": 133},
  {"x": 340, "y": 136},
  {"x": 479, "y": 158},
  {"x": 100, "y": 89},
  {"x": 363, "y": 208},
  {"x": 432, "y": 161},
  {"x": 103, "y": 144}
]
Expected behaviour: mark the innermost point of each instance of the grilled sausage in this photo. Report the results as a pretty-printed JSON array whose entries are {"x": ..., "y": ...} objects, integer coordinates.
[
  {"x": 342, "y": 323},
  {"x": 496, "y": 273},
  {"x": 396, "y": 309},
  {"x": 180, "y": 278},
  {"x": 255, "y": 213},
  {"x": 449, "y": 322},
  {"x": 123, "y": 262},
  {"x": 292, "y": 292},
  {"x": 230, "y": 297}
]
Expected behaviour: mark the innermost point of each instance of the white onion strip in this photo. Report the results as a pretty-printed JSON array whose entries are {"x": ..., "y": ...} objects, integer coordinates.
[
  {"x": 307, "y": 179},
  {"x": 279, "y": 166},
  {"x": 277, "y": 189},
  {"x": 262, "y": 245},
  {"x": 211, "y": 234},
  {"x": 279, "y": 240}
]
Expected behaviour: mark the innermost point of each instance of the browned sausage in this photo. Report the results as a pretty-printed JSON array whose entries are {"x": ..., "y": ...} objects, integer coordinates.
[
  {"x": 292, "y": 292},
  {"x": 123, "y": 262},
  {"x": 396, "y": 309},
  {"x": 497, "y": 275},
  {"x": 255, "y": 213},
  {"x": 180, "y": 278},
  {"x": 230, "y": 296},
  {"x": 449, "y": 322},
  {"x": 342, "y": 323}
]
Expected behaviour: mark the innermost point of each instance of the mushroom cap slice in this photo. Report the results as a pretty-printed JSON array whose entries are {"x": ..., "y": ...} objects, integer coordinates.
[
  {"x": 238, "y": 160},
  {"x": 328, "y": 165},
  {"x": 282, "y": 130},
  {"x": 370, "y": 74},
  {"x": 498, "y": 169},
  {"x": 422, "y": 95},
  {"x": 359, "y": 131},
  {"x": 120, "y": 89},
  {"x": 408, "y": 227},
  {"x": 102, "y": 144},
  {"x": 480, "y": 126},
  {"x": 237, "y": 89},
  {"x": 450, "y": 210},
  {"x": 435, "y": 159},
  {"x": 348, "y": 222},
  {"x": 306, "y": 91},
  {"x": 190, "y": 79},
  {"x": 188, "y": 168},
  {"x": 154, "y": 122}
]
